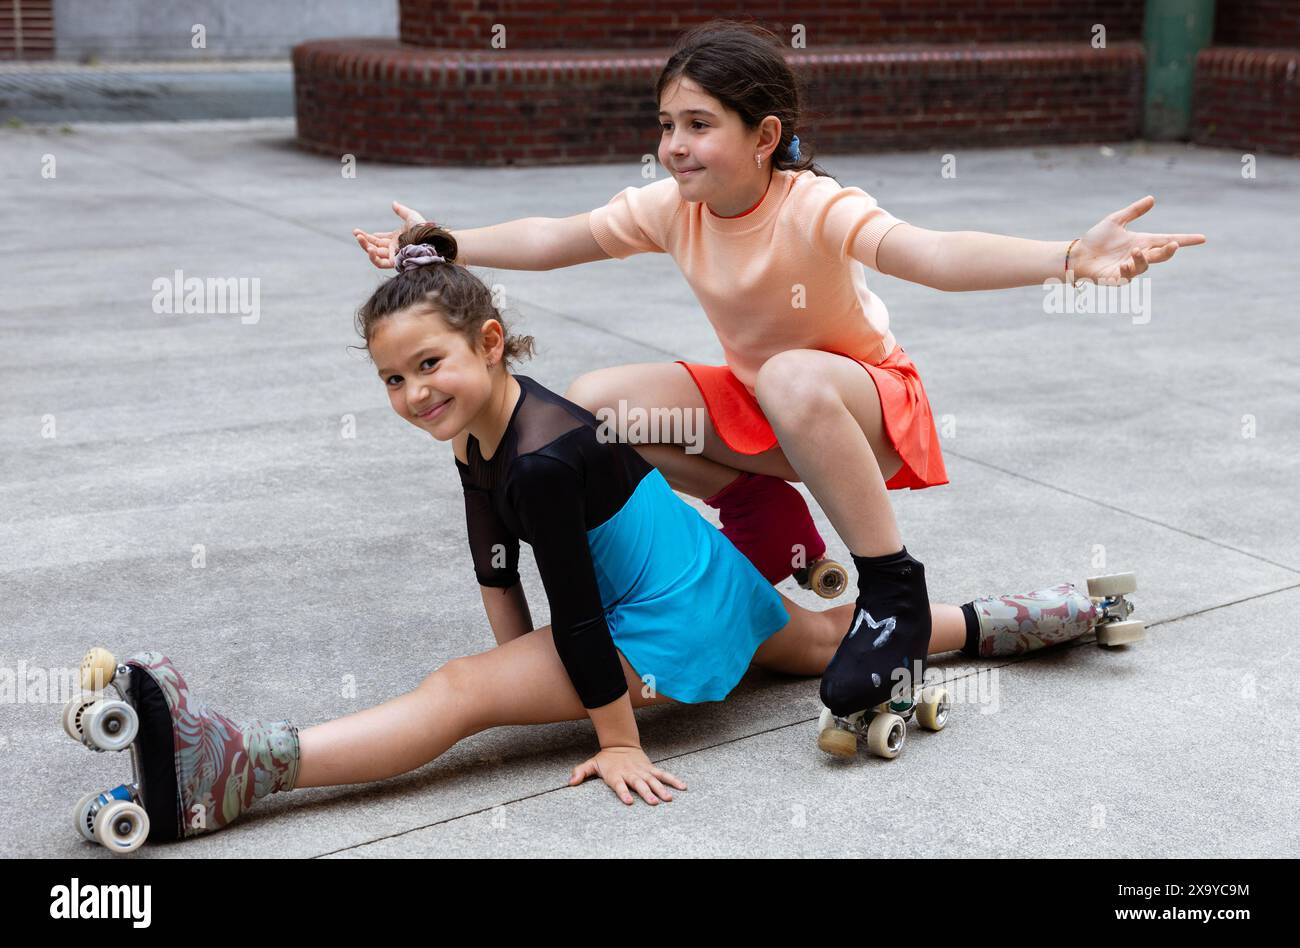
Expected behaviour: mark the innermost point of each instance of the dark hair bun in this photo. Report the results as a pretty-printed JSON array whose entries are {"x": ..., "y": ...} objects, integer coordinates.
[{"x": 433, "y": 234}]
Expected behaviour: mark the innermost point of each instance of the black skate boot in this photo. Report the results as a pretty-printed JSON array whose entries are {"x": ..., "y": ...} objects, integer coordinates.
[{"x": 879, "y": 668}]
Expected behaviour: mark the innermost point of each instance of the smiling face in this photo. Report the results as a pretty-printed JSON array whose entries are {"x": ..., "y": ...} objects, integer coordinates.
[
  {"x": 699, "y": 132},
  {"x": 435, "y": 379}
]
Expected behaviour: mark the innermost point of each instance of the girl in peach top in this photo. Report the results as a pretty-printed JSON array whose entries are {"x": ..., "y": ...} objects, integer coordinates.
[{"x": 816, "y": 388}]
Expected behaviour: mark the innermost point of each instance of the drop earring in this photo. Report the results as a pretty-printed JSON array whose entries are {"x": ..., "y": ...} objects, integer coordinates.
[{"x": 758, "y": 160}]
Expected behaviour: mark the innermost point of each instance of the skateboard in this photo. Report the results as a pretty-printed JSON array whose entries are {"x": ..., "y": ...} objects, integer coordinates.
[{"x": 1105, "y": 612}]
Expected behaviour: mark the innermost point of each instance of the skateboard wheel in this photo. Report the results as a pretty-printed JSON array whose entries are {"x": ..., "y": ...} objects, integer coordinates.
[
  {"x": 83, "y": 817},
  {"x": 73, "y": 713},
  {"x": 826, "y": 578},
  {"x": 122, "y": 826},
  {"x": 886, "y": 735},
  {"x": 932, "y": 711},
  {"x": 97, "y": 669},
  {"x": 834, "y": 739},
  {"x": 1113, "y": 584},
  {"x": 110, "y": 725},
  {"x": 1110, "y": 634}
]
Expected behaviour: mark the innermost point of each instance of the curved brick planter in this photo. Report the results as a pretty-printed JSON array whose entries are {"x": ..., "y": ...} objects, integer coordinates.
[
  {"x": 1248, "y": 98},
  {"x": 388, "y": 101}
]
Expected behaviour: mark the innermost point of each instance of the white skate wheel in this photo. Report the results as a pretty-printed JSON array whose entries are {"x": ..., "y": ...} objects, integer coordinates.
[
  {"x": 1110, "y": 634},
  {"x": 73, "y": 712},
  {"x": 110, "y": 725},
  {"x": 886, "y": 735},
  {"x": 1113, "y": 584},
  {"x": 97, "y": 669},
  {"x": 932, "y": 711},
  {"x": 81, "y": 817},
  {"x": 122, "y": 826}
]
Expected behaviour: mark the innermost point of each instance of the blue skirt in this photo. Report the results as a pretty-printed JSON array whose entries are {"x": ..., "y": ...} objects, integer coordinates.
[{"x": 683, "y": 605}]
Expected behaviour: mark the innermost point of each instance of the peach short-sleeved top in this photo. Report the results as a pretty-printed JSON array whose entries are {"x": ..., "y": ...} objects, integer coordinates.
[{"x": 787, "y": 274}]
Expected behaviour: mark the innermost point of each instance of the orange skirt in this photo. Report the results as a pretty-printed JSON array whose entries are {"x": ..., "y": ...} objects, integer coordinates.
[{"x": 909, "y": 424}]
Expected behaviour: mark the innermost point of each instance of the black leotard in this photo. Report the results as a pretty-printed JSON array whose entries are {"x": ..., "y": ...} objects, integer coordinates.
[{"x": 550, "y": 481}]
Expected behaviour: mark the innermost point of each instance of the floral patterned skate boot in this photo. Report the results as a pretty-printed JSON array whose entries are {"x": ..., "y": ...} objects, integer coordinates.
[
  {"x": 1014, "y": 625},
  {"x": 195, "y": 769}
]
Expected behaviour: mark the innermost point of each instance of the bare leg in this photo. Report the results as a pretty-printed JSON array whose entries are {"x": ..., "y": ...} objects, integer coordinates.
[
  {"x": 807, "y": 643},
  {"x": 826, "y": 413},
  {"x": 812, "y": 399},
  {"x": 524, "y": 682},
  {"x": 648, "y": 385},
  {"x": 519, "y": 682}
]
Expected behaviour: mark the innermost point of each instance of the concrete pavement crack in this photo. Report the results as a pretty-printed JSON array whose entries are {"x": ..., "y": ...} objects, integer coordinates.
[{"x": 1128, "y": 513}]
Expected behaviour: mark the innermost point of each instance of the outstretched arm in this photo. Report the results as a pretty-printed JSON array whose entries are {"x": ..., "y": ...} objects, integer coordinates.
[
  {"x": 1107, "y": 253},
  {"x": 529, "y": 243}
]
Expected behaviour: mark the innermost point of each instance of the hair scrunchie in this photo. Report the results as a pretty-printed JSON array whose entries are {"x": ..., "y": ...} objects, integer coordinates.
[{"x": 416, "y": 255}]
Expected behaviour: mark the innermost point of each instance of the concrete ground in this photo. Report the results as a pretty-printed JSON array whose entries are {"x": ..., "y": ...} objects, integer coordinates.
[
  {"x": 137, "y": 92},
  {"x": 335, "y": 574}
]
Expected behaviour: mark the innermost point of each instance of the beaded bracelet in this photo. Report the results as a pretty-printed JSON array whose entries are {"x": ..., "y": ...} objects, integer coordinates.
[{"x": 1067, "y": 259}]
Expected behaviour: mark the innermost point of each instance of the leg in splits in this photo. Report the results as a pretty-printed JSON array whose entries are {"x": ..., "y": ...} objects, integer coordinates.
[{"x": 520, "y": 682}]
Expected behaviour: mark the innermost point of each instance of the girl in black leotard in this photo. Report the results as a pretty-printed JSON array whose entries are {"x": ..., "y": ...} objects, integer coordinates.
[{"x": 649, "y": 602}]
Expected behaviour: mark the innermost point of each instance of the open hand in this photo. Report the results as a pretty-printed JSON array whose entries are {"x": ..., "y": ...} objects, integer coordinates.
[
  {"x": 381, "y": 248},
  {"x": 1111, "y": 256},
  {"x": 621, "y": 767}
]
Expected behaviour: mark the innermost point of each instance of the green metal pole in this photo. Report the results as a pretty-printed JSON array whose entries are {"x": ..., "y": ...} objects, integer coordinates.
[{"x": 1174, "y": 31}]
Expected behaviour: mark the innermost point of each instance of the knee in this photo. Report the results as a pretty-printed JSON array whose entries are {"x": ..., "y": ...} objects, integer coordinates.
[
  {"x": 451, "y": 674},
  {"x": 790, "y": 387},
  {"x": 590, "y": 390},
  {"x": 451, "y": 686}
]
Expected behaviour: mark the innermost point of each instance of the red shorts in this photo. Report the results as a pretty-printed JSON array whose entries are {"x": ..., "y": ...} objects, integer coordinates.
[{"x": 909, "y": 425}]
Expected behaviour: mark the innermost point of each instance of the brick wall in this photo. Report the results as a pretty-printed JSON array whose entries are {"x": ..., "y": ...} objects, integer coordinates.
[
  {"x": 877, "y": 73},
  {"x": 395, "y": 102},
  {"x": 26, "y": 29},
  {"x": 1271, "y": 23},
  {"x": 1248, "y": 98},
  {"x": 618, "y": 24},
  {"x": 1247, "y": 85}
]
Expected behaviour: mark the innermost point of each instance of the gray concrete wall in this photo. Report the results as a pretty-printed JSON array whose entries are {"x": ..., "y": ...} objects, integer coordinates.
[{"x": 162, "y": 29}]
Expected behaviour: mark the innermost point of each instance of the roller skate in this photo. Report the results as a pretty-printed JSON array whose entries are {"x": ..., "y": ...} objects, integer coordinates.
[
  {"x": 1014, "y": 625},
  {"x": 767, "y": 519},
  {"x": 875, "y": 683},
  {"x": 884, "y": 727},
  {"x": 193, "y": 770}
]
